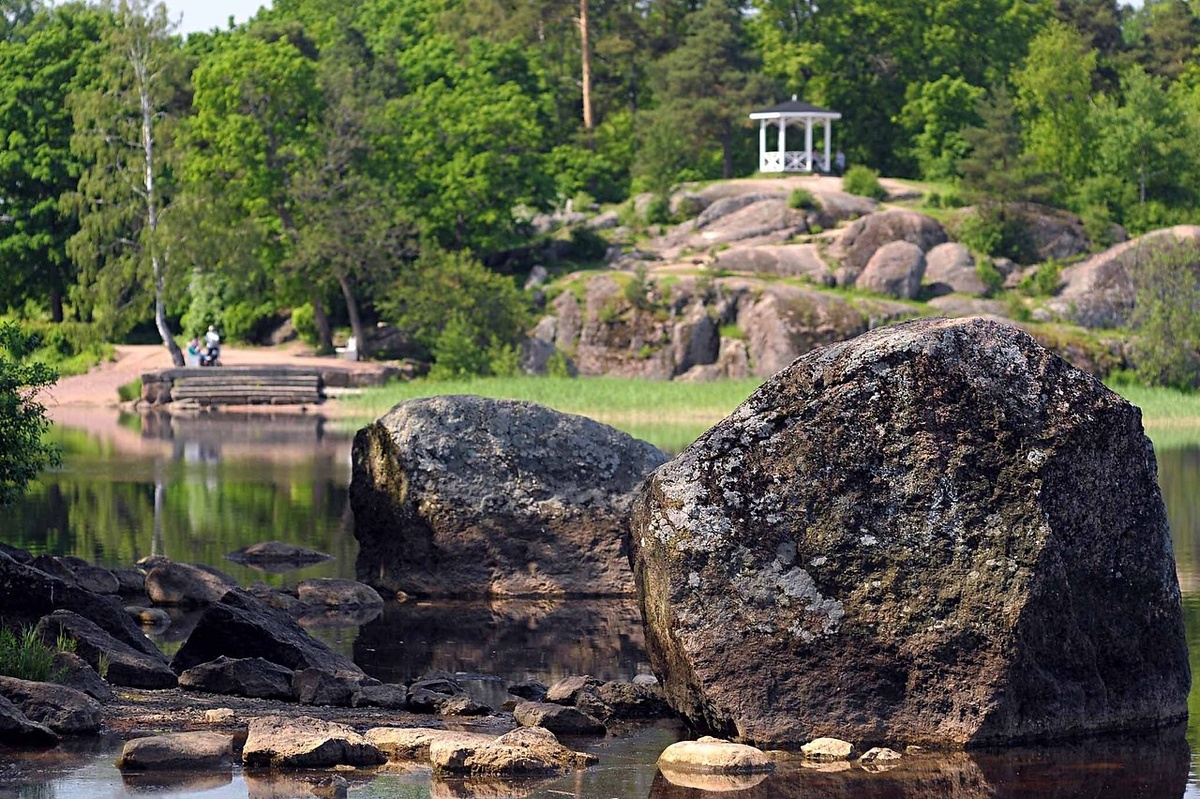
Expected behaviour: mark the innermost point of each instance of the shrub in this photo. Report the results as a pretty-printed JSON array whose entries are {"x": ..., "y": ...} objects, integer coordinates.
[
  {"x": 1043, "y": 282},
  {"x": 130, "y": 391},
  {"x": 25, "y": 656},
  {"x": 802, "y": 199},
  {"x": 688, "y": 207},
  {"x": 933, "y": 199},
  {"x": 637, "y": 290},
  {"x": 989, "y": 274},
  {"x": 248, "y": 322},
  {"x": 995, "y": 233},
  {"x": 658, "y": 211},
  {"x": 304, "y": 319},
  {"x": 1167, "y": 315},
  {"x": 863, "y": 181},
  {"x": 587, "y": 244}
]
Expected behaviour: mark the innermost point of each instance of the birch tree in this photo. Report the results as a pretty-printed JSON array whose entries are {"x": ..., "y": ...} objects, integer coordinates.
[{"x": 123, "y": 132}]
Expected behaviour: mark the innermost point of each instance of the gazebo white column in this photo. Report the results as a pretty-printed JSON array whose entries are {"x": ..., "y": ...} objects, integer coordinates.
[{"x": 781, "y": 160}]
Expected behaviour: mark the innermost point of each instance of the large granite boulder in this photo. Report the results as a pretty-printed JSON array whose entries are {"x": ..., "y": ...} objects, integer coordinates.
[
  {"x": 241, "y": 626},
  {"x": 937, "y": 532},
  {"x": 466, "y": 496},
  {"x": 895, "y": 269},
  {"x": 120, "y": 663},
  {"x": 950, "y": 267},
  {"x": 864, "y": 236},
  {"x": 16, "y": 729},
  {"x": 1100, "y": 291},
  {"x": 787, "y": 260},
  {"x": 253, "y": 677}
]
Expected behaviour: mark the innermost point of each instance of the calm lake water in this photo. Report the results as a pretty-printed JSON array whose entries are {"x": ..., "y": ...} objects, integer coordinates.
[{"x": 195, "y": 489}]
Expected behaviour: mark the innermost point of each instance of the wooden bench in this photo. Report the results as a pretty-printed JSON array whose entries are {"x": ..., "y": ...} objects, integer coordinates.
[{"x": 235, "y": 385}]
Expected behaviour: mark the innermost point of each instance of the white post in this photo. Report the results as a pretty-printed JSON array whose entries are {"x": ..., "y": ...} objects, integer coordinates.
[
  {"x": 808, "y": 141},
  {"x": 762, "y": 144},
  {"x": 828, "y": 143},
  {"x": 782, "y": 144}
]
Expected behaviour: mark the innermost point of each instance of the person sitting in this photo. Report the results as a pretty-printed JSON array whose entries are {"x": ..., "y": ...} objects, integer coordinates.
[{"x": 193, "y": 352}]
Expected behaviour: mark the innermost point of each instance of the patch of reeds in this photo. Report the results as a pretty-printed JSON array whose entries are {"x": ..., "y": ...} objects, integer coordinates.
[{"x": 24, "y": 655}]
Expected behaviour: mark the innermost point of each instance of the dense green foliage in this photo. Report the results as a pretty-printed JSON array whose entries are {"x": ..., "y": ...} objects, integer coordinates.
[
  {"x": 1167, "y": 315},
  {"x": 23, "y": 452},
  {"x": 323, "y": 154}
]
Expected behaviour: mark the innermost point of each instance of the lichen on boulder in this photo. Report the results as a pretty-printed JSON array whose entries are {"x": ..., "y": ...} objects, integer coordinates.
[{"x": 938, "y": 532}]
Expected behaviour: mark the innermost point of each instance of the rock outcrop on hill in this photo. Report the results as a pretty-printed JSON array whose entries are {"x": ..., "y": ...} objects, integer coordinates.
[
  {"x": 937, "y": 532},
  {"x": 858, "y": 242},
  {"x": 467, "y": 496}
]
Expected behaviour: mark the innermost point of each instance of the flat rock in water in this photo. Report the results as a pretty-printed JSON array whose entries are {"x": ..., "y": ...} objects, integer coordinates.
[
  {"x": 124, "y": 665},
  {"x": 468, "y": 496},
  {"x": 527, "y": 751},
  {"x": 180, "y": 751},
  {"x": 306, "y": 742},
  {"x": 826, "y": 750},
  {"x": 714, "y": 755},
  {"x": 278, "y": 555},
  {"x": 240, "y": 626},
  {"x": 336, "y": 593},
  {"x": 62, "y": 709},
  {"x": 938, "y": 532},
  {"x": 412, "y": 743}
]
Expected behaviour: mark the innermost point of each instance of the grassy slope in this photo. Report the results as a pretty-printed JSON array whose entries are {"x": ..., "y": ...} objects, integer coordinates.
[{"x": 672, "y": 414}]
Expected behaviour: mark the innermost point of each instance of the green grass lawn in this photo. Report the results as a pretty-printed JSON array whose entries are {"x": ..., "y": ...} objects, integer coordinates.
[{"x": 671, "y": 414}]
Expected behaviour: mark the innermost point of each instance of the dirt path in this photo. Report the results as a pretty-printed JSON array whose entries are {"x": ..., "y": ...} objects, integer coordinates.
[{"x": 99, "y": 386}]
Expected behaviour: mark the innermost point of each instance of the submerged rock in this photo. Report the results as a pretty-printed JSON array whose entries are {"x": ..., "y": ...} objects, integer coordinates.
[
  {"x": 936, "y": 532},
  {"x": 467, "y": 496},
  {"x": 277, "y": 556}
]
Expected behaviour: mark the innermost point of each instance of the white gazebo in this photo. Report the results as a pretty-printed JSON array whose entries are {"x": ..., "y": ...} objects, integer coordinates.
[{"x": 781, "y": 159}]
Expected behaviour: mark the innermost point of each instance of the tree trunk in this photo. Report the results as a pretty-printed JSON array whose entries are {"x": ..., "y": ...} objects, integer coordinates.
[
  {"x": 356, "y": 327},
  {"x": 56, "y": 306},
  {"x": 324, "y": 331},
  {"x": 586, "y": 57}
]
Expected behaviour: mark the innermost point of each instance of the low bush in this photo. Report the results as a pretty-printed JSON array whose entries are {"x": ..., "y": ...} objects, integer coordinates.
[
  {"x": 25, "y": 656},
  {"x": 989, "y": 274},
  {"x": 863, "y": 181},
  {"x": 802, "y": 199},
  {"x": 304, "y": 319},
  {"x": 247, "y": 322},
  {"x": 587, "y": 245},
  {"x": 1043, "y": 282}
]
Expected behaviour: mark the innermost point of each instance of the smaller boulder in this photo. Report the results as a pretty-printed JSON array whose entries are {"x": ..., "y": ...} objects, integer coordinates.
[
  {"x": 950, "y": 269},
  {"x": 896, "y": 270},
  {"x": 335, "y": 593},
  {"x": 305, "y": 742},
  {"x": 827, "y": 750},
  {"x": 632, "y": 700},
  {"x": 276, "y": 556},
  {"x": 532, "y": 690},
  {"x": 154, "y": 618},
  {"x": 316, "y": 687},
  {"x": 715, "y": 756},
  {"x": 62, "y": 709},
  {"x": 131, "y": 581},
  {"x": 178, "y": 751},
  {"x": 125, "y": 665},
  {"x": 74, "y": 672},
  {"x": 559, "y": 719},
  {"x": 253, "y": 677},
  {"x": 463, "y": 705},
  {"x": 879, "y": 759},
  {"x": 16, "y": 729},
  {"x": 388, "y": 695},
  {"x": 567, "y": 690},
  {"x": 523, "y": 752},
  {"x": 186, "y": 585}
]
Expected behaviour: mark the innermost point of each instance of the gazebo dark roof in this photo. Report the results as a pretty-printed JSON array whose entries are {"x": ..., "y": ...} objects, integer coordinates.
[{"x": 794, "y": 107}]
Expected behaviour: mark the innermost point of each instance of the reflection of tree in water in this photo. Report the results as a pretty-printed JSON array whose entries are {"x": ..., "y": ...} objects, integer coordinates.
[{"x": 517, "y": 639}]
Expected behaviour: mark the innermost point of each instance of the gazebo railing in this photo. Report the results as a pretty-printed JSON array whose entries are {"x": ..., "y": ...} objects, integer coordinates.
[{"x": 792, "y": 161}]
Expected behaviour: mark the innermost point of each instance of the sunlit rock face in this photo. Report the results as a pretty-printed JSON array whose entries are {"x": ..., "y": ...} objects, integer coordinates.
[
  {"x": 938, "y": 532},
  {"x": 471, "y": 497}
]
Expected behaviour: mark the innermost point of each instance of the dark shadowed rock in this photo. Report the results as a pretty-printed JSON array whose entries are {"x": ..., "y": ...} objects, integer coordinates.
[
  {"x": 62, "y": 709},
  {"x": 466, "y": 496},
  {"x": 936, "y": 532},
  {"x": 18, "y": 730},
  {"x": 74, "y": 672},
  {"x": 559, "y": 719},
  {"x": 180, "y": 751},
  {"x": 628, "y": 700},
  {"x": 388, "y": 695},
  {"x": 895, "y": 269},
  {"x": 29, "y": 594},
  {"x": 532, "y": 690},
  {"x": 567, "y": 690},
  {"x": 316, "y": 687},
  {"x": 305, "y": 742},
  {"x": 864, "y": 236},
  {"x": 125, "y": 665},
  {"x": 183, "y": 584},
  {"x": 277, "y": 555},
  {"x": 78, "y": 572},
  {"x": 332, "y": 592},
  {"x": 130, "y": 581},
  {"x": 240, "y": 626},
  {"x": 254, "y": 677}
]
